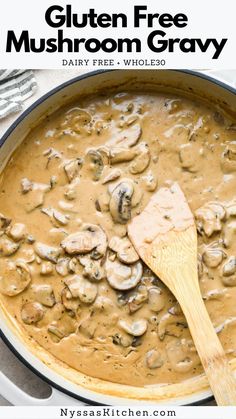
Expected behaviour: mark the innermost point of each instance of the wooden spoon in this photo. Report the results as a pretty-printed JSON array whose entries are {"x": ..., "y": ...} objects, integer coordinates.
[{"x": 165, "y": 237}]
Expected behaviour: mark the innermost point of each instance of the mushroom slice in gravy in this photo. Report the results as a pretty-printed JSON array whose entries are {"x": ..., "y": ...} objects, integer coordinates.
[
  {"x": 72, "y": 168},
  {"x": 7, "y": 246},
  {"x": 44, "y": 294},
  {"x": 47, "y": 252},
  {"x": 154, "y": 359},
  {"x": 93, "y": 269},
  {"x": 142, "y": 159},
  {"x": 120, "y": 202},
  {"x": 135, "y": 328},
  {"x": 95, "y": 161},
  {"x": 128, "y": 137},
  {"x": 122, "y": 277},
  {"x": 209, "y": 218},
  {"x": 70, "y": 302},
  {"x": 124, "y": 249},
  {"x": 17, "y": 232},
  {"x": 32, "y": 312},
  {"x": 90, "y": 238},
  {"x": 82, "y": 288},
  {"x": 213, "y": 257},
  {"x": 4, "y": 222},
  {"x": 14, "y": 278}
]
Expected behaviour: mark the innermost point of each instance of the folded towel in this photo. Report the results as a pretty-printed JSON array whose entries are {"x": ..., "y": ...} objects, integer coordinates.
[{"x": 15, "y": 87}]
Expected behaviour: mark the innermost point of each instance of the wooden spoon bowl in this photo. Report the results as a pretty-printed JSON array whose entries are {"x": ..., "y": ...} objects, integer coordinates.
[{"x": 165, "y": 237}]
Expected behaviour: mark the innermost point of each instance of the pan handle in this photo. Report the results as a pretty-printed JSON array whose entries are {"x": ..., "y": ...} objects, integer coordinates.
[{"x": 18, "y": 397}]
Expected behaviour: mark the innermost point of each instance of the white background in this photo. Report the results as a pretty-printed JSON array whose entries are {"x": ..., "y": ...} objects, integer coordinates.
[{"x": 206, "y": 19}]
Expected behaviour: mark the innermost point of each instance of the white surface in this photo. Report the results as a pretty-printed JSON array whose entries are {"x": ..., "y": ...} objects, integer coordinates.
[
  {"x": 9, "y": 364},
  {"x": 213, "y": 20}
]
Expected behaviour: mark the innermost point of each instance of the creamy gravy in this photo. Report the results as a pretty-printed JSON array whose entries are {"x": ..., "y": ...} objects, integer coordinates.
[{"x": 68, "y": 273}]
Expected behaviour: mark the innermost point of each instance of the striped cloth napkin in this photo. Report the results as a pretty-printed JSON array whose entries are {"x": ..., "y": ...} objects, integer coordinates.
[{"x": 15, "y": 87}]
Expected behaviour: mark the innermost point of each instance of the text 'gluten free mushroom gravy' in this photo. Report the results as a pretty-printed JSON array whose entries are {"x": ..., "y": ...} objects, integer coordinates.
[{"x": 68, "y": 272}]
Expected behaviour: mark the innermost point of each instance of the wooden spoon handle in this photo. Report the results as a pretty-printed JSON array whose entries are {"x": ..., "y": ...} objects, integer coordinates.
[{"x": 208, "y": 345}]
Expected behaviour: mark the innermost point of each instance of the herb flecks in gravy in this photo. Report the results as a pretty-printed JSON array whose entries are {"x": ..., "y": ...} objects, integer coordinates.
[{"x": 68, "y": 272}]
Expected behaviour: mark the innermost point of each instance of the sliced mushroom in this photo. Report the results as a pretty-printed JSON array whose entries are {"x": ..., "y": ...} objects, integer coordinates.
[
  {"x": 135, "y": 328},
  {"x": 149, "y": 181},
  {"x": 70, "y": 302},
  {"x": 209, "y": 218},
  {"x": 47, "y": 252},
  {"x": 70, "y": 192},
  {"x": 56, "y": 217},
  {"x": 96, "y": 164},
  {"x": 175, "y": 310},
  {"x": 111, "y": 175},
  {"x": 187, "y": 156},
  {"x": 99, "y": 237},
  {"x": 227, "y": 322},
  {"x": 229, "y": 272},
  {"x": 26, "y": 185},
  {"x": 7, "y": 246},
  {"x": 137, "y": 191},
  {"x": 72, "y": 168},
  {"x": 62, "y": 266},
  {"x": 44, "y": 294},
  {"x": 142, "y": 159},
  {"x": 216, "y": 294},
  {"x": 28, "y": 255},
  {"x": 154, "y": 359},
  {"x": 46, "y": 268},
  {"x": 121, "y": 155},
  {"x": 4, "y": 222},
  {"x": 88, "y": 328},
  {"x": 62, "y": 328},
  {"x": 122, "y": 277},
  {"x": 82, "y": 288},
  {"x": 156, "y": 300},
  {"x": 231, "y": 209},
  {"x": 169, "y": 319},
  {"x": 124, "y": 250},
  {"x": 78, "y": 243},
  {"x": 93, "y": 269},
  {"x": 14, "y": 278},
  {"x": 182, "y": 355},
  {"x": 137, "y": 298},
  {"x": 229, "y": 267},
  {"x": 73, "y": 266},
  {"x": 173, "y": 105},
  {"x": 127, "y": 137},
  {"x": 77, "y": 117},
  {"x": 90, "y": 238},
  {"x": 103, "y": 304},
  {"x": 35, "y": 195},
  {"x": 17, "y": 231},
  {"x": 52, "y": 154},
  {"x": 32, "y": 312},
  {"x": 102, "y": 202},
  {"x": 120, "y": 202},
  {"x": 122, "y": 340},
  {"x": 229, "y": 233},
  {"x": 228, "y": 158},
  {"x": 212, "y": 257}
]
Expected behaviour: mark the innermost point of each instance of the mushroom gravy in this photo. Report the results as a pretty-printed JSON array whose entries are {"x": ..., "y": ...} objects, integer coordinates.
[{"x": 68, "y": 272}]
